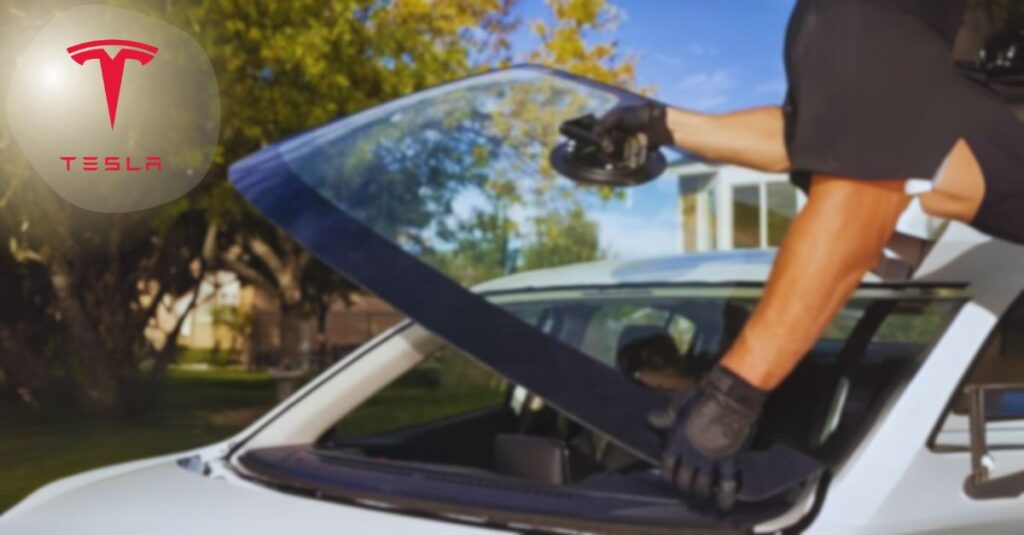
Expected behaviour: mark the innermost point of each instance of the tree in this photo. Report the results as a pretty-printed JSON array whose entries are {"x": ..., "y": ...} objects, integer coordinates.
[
  {"x": 286, "y": 67},
  {"x": 564, "y": 42},
  {"x": 488, "y": 243},
  {"x": 106, "y": 276},
  {"x": 561, "y": 239},
  {"x": 92, "y": 281}
]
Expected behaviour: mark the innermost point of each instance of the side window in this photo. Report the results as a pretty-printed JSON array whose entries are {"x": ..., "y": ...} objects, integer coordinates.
[
  {"x": 447, "y": 383},
  {"x": 911, "y": 323},
  {"x": 1000, "y": 362},
  {"x": 915, "y": 323}
]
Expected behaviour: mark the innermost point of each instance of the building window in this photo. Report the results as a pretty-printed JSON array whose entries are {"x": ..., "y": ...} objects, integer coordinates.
[
  {"x": 697, "y": 210},
  {"x": 690, "y": 218},
  {"x": 746, "y": 217},
  {"x": 731, "y": 207},
  {"x": 781, "y": 210}
]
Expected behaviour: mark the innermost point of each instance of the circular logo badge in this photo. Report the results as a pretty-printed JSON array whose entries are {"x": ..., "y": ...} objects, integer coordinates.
[{"x": 115, "y": 110}]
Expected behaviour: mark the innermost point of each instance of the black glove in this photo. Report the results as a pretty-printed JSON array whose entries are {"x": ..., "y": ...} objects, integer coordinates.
[
  {"x": 707, "y": 428},
  {"x": 649, "y": 119}
]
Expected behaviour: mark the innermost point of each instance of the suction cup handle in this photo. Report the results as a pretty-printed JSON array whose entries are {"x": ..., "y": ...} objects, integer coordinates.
[{"x": 582, "y": 130}]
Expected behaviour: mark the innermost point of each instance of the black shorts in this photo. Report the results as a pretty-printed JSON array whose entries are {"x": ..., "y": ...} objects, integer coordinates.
[{"x": 874, "y": 94}]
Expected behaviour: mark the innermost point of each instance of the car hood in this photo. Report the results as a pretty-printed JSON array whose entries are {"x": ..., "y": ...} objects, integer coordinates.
[{"x": 160, "y": 497}]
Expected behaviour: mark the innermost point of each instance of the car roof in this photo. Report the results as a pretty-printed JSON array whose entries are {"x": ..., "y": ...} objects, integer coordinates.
[{"x": 750, "y": 266}]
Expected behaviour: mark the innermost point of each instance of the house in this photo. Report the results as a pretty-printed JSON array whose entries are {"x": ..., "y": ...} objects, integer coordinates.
[
  {"x": 239, "y": 319},
  {"x": 725, "y": 207}
]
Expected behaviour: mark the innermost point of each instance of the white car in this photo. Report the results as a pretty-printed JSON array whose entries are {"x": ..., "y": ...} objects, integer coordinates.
[{"x": 520, "y": 405}]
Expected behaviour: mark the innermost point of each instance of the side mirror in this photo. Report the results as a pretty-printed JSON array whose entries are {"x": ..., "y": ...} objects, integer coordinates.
[{"x": 994, "y": 402}]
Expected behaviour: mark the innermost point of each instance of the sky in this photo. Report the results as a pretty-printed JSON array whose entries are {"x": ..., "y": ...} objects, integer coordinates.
[{"x": 708, "y": 55}]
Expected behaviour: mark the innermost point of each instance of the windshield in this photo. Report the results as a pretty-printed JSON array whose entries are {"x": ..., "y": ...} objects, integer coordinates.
[
  {"x": 460, "y": 177},
  {"x": 667, "y": 338},
  {"x": 450, "y": 419},
  {"x": 419, "y": 198}
]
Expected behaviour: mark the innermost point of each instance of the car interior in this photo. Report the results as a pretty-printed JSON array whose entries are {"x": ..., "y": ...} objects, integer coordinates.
[{"x": 557, "y": 466}]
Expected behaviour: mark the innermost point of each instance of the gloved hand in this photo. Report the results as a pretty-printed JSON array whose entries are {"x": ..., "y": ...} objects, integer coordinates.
[
  {"x": 707, "y": 428},
  {"x": 649, "y": 119}
]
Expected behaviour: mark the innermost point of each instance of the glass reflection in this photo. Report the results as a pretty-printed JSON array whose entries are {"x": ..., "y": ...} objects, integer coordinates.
[{"x": 459, "y": 176}]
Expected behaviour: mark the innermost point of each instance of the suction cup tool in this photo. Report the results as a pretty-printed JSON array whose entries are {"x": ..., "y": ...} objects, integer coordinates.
[{"x": 606, "y": 159}]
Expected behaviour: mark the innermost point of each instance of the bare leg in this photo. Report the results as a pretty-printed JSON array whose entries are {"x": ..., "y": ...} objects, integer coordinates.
[
  {"x": 831, "y": 244},
  {"x": 752, "y": 138}
]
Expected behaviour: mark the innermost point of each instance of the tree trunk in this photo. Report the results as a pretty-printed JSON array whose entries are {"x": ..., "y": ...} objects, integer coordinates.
[
  {"x": 91, "y": 365},
  {"x": 291, "y": 336},
  {"x": 166, "y": 355},
  {"x": 288, "y": 274}
]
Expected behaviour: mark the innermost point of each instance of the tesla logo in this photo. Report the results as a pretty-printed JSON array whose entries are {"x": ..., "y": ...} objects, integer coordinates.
[{"x": 112, "y": 68}]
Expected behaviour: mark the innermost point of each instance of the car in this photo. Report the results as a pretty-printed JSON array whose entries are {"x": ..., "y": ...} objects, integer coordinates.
[{"x": 519, "y": 402}]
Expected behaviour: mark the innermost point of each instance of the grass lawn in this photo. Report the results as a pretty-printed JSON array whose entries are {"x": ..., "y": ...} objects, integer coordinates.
[{"x": 196, "y": 408}]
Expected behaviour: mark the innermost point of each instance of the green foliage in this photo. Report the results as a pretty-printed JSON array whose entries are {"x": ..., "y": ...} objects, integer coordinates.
[
  {"x": 560, "y": 239},
  {"x": 565, "y": 41},
  {"x": 217, "y": 358},
  {"x": 285, "y": 67},
  {"x": 233, "y": 319},
  {"x": 482, "y": 248},
  {"x": 288, "y": 66},
  {"x": 282, "y": 67},
  {"x": 490, "y": 243}
]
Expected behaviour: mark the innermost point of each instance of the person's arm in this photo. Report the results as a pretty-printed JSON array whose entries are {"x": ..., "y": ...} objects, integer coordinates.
[
  {"x": 831, "y": 243},
  {"x": 837, "y": 237},
  {"x": 751, "y": 138},
  {"x": 834, "y": 240}
]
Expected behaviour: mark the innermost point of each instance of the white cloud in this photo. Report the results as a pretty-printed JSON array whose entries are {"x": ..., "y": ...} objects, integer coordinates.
[
  {"x": 720, "y": 80},
  {"x": 666, "y": 59},
  {"x": 705, "y": 90},
  {"x": 638, "y": 235},
  {"x": 772, "y": 87},
  {"x": 699, "y": 49}
]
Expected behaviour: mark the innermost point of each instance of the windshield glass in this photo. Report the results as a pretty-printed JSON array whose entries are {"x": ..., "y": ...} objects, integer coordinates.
[
  {"x": 418, "y": 198},
  {"x": 450, "y": 432},
  {"x": 459, "y": 176},
  {"x": 662, "y": 339}
]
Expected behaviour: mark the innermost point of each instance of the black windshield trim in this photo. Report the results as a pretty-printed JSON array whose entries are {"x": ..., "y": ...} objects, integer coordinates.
[{"x": 437, "y": 492}]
